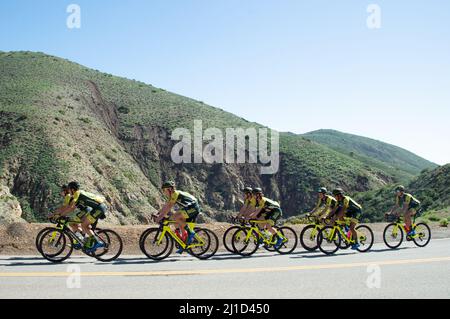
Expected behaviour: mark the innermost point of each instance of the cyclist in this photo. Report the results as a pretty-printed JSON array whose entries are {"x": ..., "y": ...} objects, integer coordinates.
[
  {"x": 347, "y": 207},
  {"x": 188, "y": 212},
  {"x": 407, "y": 205},
  {"x": 325, "y": 204},
  {"x": 249, "y": 204},
  {"x": 268, "y": 210},
  {"x": 74, "y": 219},
  {"x": 92, "y": 207}
]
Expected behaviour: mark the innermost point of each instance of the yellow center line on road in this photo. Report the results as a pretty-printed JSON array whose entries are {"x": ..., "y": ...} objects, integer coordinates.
[{"x": 224, "y": 271}]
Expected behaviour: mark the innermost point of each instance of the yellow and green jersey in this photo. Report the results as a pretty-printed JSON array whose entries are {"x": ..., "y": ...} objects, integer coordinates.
[
  {"x": 67, "y": 200},
  {"x": 328, "y": 202},
  {"x": 349, "y": 205},
  {"x": 267, "y": 204},
  {"x": 182, "y": 199},
  {"x": 250, "y": 202},
  {"x": 407, "y": 199},
  {"x": 84, "y": 199}
]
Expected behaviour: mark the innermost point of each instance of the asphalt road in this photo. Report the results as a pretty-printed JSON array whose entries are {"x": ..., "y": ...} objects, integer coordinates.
[{"x": 408, "y": 272}]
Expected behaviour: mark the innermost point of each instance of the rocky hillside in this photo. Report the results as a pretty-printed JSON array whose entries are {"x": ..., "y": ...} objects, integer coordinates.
[
  {"x": 399, "y": 162},
  {"x": 61, "y": 121}
]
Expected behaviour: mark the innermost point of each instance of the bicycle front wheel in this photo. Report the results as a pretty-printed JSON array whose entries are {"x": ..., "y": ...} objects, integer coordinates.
[
  {"x": 245, "y": 242},
  {"x": 54, "y": 245},
  {"x": 365, "y": 238},
  {"x": 156, "y": 247},
  {"x": 423, "y": 235},
  {"x": 329, "y": 240},
  {"x": 113, "y": 246},
  {"x": 393, "y": 236},
  {"x": 228, "y": 238},
  {"x": 308, "y": 237}
]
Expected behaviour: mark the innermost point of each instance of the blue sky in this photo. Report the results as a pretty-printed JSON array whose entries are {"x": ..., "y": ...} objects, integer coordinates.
[{"x": 291, "y": 65}]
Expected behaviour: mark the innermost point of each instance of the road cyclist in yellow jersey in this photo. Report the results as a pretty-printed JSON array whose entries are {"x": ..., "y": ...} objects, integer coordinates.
[
  {"x": 316, "y": 219},
  {"x": 92, "y": 208},
  {"x": 406, "y": 205},
  {"x": 270, "y": 211},
  {"x": 249, "y": 206},
  {"x": 188, "y": 211},
  {"x": 241, "y": 218},
  {"x": 325, "y": 204},
  {"x": 347, "y": 208}
]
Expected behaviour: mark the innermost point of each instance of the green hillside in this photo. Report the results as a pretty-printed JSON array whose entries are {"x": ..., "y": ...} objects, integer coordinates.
[
  {"x": 398, "y": 162},
  {"x": 62, "y": 121}
]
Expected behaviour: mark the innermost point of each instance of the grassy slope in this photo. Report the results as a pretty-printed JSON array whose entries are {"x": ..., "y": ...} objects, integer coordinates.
[
  {"x": 57, "y": 137},
  {"x": 389, "y": 158}
]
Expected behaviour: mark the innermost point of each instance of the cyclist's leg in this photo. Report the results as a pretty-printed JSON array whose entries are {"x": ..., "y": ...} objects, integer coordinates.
[
  {"x": 90, "y": 218},
  {"x": 179, "y": 221},
  {"x": 408, "y": 218},
  {"x": 272, "y": 217}
]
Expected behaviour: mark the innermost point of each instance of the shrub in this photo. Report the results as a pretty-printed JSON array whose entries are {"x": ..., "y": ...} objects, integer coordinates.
[
  {"x": 85, "y": 120},
  {"x": 123, "y": 110},
  {"x": 433, "y": 218},
  {"x": 443, "y": 223}
]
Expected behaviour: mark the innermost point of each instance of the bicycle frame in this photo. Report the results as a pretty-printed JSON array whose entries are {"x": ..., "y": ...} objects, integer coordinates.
[
  {"x": 254, "y": 227},
  {"x": 338, "y": 227},
  {"x": 166, "y": 229}
]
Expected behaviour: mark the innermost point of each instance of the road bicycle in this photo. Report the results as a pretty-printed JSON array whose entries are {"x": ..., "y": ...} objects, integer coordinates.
[
  {"x": 394, "y": 233},
  {"x": 157, "y": 243},
  {"x": 228, "y": 235},
  {"x": 56, "y": 244},
  {"x": 339, "y": 236},
  {"x": 247, "y": 239}
]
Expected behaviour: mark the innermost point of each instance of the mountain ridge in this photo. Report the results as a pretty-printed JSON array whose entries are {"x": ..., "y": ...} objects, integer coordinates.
[{"x": 61, "y": 121}]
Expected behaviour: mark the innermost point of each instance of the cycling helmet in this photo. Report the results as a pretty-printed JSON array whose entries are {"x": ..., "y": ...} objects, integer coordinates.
[
  {"x": 400, "y": 188},
  {"x": 257, "y": 190},
  {"x": 74, "y": 185},
  {"x": 322, "y": 190},
  {"x": 338, "y": 191},
  {"x": 168, "y": 184},
  {"x": 247, "y": 190}
]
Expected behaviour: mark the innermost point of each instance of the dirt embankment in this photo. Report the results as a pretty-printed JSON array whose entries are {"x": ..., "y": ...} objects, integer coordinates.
[{"x": 19, "y": 238}]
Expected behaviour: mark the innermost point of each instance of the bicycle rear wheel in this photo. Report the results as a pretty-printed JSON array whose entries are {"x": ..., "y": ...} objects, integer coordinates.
[
  {"x": 113, "y": 246},
  {"x": 155, "y": 247},
  {"x": 243, "y": 246},
  {"x": 290, "y": 241},
  {"x": 54, "y": 245},
  {"x": 393, "y": 236},
  {"x": 329, "y": 240},
  {"x": 423, "y": 233}
]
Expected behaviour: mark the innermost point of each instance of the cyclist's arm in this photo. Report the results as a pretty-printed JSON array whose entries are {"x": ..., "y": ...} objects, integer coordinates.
[
  {"x": 244, "y": 210},
  {"x": 164, "y": 211},
  {"x": 255, "y": 213},
  {"x": 67, "y": 209}
]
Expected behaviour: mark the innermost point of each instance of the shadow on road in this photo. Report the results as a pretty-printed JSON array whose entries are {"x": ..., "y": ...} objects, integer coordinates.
[{"x": 321, "y": 255}]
